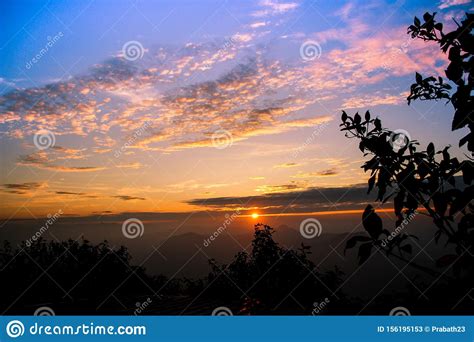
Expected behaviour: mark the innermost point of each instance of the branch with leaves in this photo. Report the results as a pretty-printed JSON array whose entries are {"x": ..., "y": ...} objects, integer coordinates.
[
  {"x": 413, "y": 178},
  {"x": 459, "y": 45}
]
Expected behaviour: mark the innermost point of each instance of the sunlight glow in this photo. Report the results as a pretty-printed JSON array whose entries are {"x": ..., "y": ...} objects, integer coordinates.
[{"x": 255, "y": 215}]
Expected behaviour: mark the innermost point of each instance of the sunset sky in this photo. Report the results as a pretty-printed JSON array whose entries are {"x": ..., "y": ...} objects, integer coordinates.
[{"x": 222, "y": 103}]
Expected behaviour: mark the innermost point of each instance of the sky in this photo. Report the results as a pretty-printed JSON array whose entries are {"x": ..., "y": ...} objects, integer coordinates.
[{"x": 110, "y": 107}]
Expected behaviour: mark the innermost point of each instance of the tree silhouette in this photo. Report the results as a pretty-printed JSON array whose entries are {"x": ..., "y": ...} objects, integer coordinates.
[
  {"x": 459, "y": 44},
  {"x": 74, "y": 275},
  {"x": 266, "y": 277}
]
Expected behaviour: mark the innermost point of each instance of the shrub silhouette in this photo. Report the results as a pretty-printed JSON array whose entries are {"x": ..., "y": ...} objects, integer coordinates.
[
  {"x": 265, "y": 277},
  {"x": 75, "y": 275}
]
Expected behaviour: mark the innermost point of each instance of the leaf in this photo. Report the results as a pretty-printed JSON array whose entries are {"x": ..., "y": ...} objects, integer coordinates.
[
  {"x": 371, "y": 183},
  {"x": 459, "y": 119},
  {"x": 364, "y": 252},
  {"x": 406, "y": 248},
  {"x": 344, "y": 116},
  {"x": 418, "y": 78},
  {"x": 430, "y": 150},
  {"x": 357, "y": 118},
  {"x": 427, "y": 17},
  {"x": 467, "y": 171},
  {"x": 446, "y": 156},
  {"x": 353, "y": 241},
  {"x": 378, "y": 124},
  {"x": 417, "y": 22},
  {"x": 446, "y": 260},
  {"x": 367, "y": 116},
  {"x": 440, "y": 203},
  {"x": 372, "y": 222}
]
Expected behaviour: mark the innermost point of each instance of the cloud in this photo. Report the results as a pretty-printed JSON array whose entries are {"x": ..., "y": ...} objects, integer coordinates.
[
  {"x": 188, "y": 93},
  {"x": 367, "y": 58},
  {"x": 135, "y": 166},
  {"x": 376, "y": 99},
  {"x": 328, "y": 172},
  {"x": 286, "y": 165},
  {"x": 281, "y": 188},
  {"x": 258, "y": 24},
  {"x": 41, "y": 160},
  {"x": 69, "y": 193},
  {"x": 271, "y": 7},
  {"x": 311, "y": 199},
  {"x": 23, "y": 188},
  {"x": 318, "y": 174},
  {"x": 129, "y": 198},
  {"x": 450, "y": 3}
]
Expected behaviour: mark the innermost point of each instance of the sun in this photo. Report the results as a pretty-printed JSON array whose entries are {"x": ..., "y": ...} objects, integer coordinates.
[{"x": 255, "y": 215}]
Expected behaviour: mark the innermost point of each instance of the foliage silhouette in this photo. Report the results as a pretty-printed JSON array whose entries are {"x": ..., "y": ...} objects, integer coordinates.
[
  {"x": 267, "y": 275},
  {"x": 429, "y": 179},
  {"x": 459, "y": 44},
  {"x": 77, "y": 276}
]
